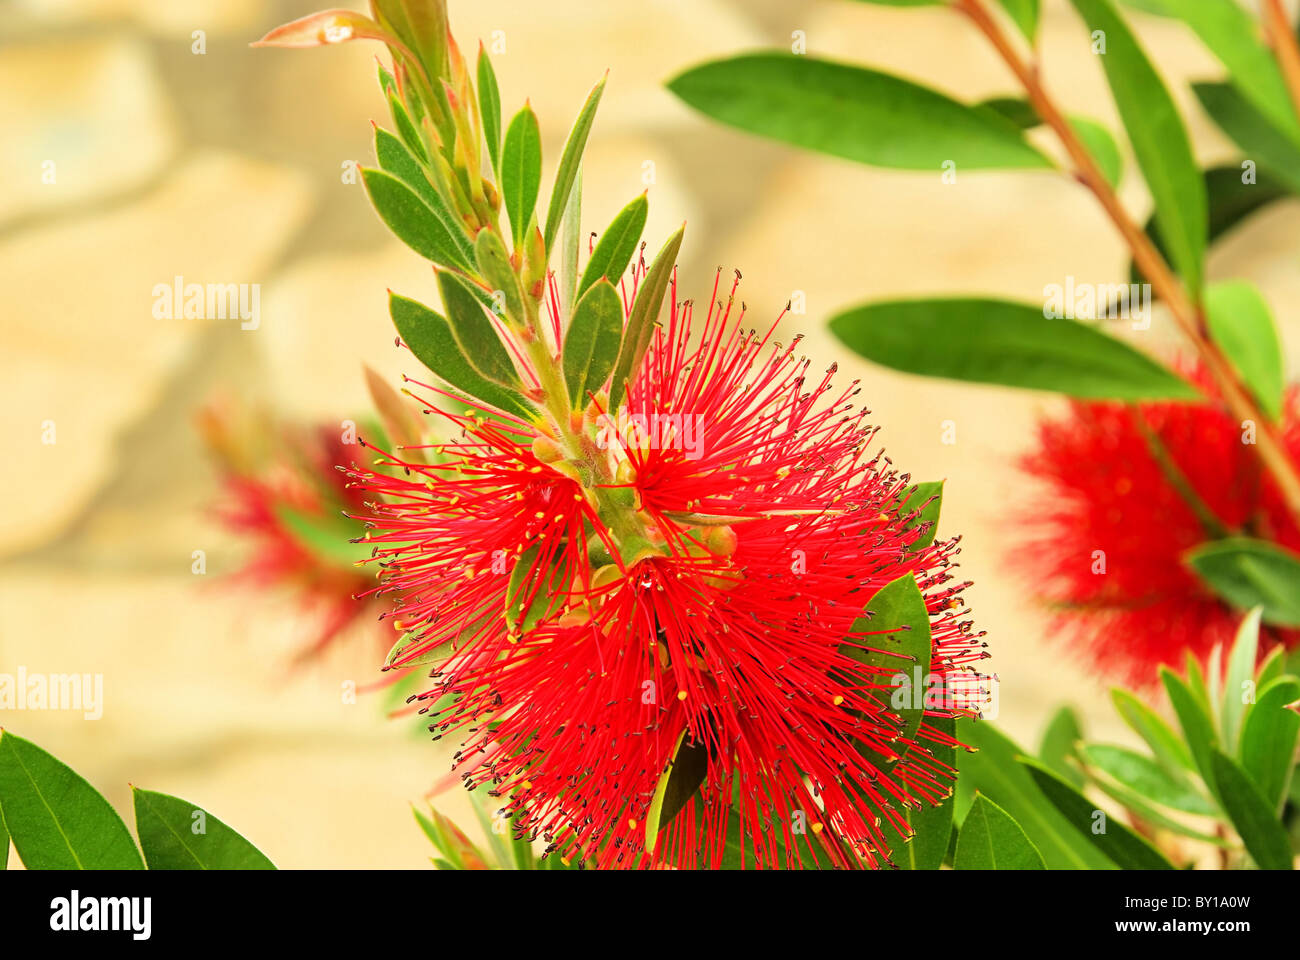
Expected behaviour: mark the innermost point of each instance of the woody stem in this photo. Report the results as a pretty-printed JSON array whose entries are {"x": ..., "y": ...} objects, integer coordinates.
[{"x": 1147, "y": 258}]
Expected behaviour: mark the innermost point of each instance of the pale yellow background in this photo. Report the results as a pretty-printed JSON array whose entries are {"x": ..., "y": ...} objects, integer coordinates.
[{"x": 226, "y": 167}]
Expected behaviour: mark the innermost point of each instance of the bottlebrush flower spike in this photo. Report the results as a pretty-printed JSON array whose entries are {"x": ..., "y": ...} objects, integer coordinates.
[
  {"x": 288, "y": 503},
  {"x": 1127, "y": 490},
  {"x": 709, "y": 591},
  {"x": 643, "y": 565}
]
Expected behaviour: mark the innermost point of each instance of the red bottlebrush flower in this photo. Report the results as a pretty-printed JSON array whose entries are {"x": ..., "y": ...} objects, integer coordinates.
[
  {"x": 289, "y": 505},
  {"x": 1127, "y": 490},
  {"x": 706, "y": 594}
]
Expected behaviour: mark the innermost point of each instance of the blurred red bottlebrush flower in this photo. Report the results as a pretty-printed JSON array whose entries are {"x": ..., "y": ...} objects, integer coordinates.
[
  {"x": 1127, "y": 490},
  {"x": 578, "y": 652},
  {"x": 289, "y": 504}
]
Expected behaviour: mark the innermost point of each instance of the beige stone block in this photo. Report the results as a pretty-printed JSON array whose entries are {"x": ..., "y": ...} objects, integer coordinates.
[{"x": 83, "y": 350}]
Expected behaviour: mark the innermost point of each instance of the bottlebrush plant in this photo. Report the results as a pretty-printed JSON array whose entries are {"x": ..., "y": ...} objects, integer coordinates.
[
  {"x": 670, "y": 584},
  {"x": 1160, "y": 532}
]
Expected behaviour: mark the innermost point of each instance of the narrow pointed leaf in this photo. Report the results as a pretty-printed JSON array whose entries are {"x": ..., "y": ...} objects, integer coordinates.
[
  {"x": 174, "y": 838},
  {"x": 1239, "y": 683},
  {"x": 569, "y": 247},
  {"x": 489, "y": 106},
  {"x": 1159, "y": 140},
  {"x": 926, "y": 500},
  {"x": 395, "y": 158},
  {"x": 899, "y": 608},
  {"x": 677, "y": 785},
  {"x": 1269, "y": 737},
  {"x": 997, "y": 341},
  {"x": 429, "y": 336},
  {"x": 1234, "y": 194},
  {"x": 570, "y": 161},
  {"x": 1146, "y": 777},
  {"x": 991, "y": 840},
  {"x": 1253, "y": 132},
  {"x": 1128, "y": 850},
  {"x": 1198, "y": 730},
  {"x": 1024, "y": 13},
  {"x": 994, "y": 771},
  {"x": 1235, "y": 37},
  {"x": 494, "y": 266},
  {"x": 592, "y": 342},
  {"x": 1060, "y": 745},
  {"x": 1168, "y": 749},
  {"x": 521, "y": 171},
  {"x": 1101, "y": 146},
  {"x": 412, "y": 220},
  {"x": 474, "y": 333},
  {"x": 853, "y": 112},
  {"x": 643, "y": 317},
  {"x": 1246, "y": 572},
  {"x": 931, "y": 825},
  {"x": 616, "y": 245},
  {"x": 325, "y": 28},
  {"x": 56, "y": 820},
  {"x": 1254, "y": 818},
  {"x": 1242, "y": 325}
]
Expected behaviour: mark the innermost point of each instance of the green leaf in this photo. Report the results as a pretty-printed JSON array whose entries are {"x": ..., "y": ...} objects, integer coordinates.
[
  {"x": 1153, "y": 814},
  {"x": 1253, "y": 132},
  {"x": 677, "y": 786},
  {"x": 489, "y": 107},
  {"x": 474, "y": 333},
  {"x": 1059, "y": 744},
  {"x": 592, "y": 342},
  {"x": 1024, "y": 13},
  {"x": 991, "y": 840},
  {"x": 899, "y": 608},
  {"x": 1230, "y": 202},
  {"x": 1116, "y": 841},
  {"x": 1159, "y": 140},
  {"x": 1018, "y": 110},
  {"x": 1169, "y": 750},
  {"x": 1269, "y": 737},
  {"x": 1240, "y": 681},
  {"x": 853, "y": 112},
  {"x": 931, "y": 825},
  {"x": 1261, "y": 831},
  {"x": 926, "y": 500},
  {"x": 394, "y": 157},
  {"x": 995, "y": 772},
  {"x": 569, "y": 247},
  {"x": 570, "y": 161},
  {"x": 56, "y": 820},
  {"x": 1147, "y": 778},
  {"x": 4, "y": 843},
  {"x": 1235, "y": 37},
  {"x": 521, "y": 171},
  {"x": 494, "y": 265},
  {"x": 1101, "y": 146},
  {"x": 736, "y": 846},
  {"x": 1242, "y": 326},
  {"x": 328, "y": 538},
  {"x": 1248, "y": 573},
  {"x": 643, "y": 317},
  {"x": 173, "y": 838},
  {"x": 406, "y": 128},
  {"x": 430, "y": 338},
  {"x": 616, "y": 246},
  {"x": 412, "y": 220},
  {"x": 1198, "y": 730},
  {"x": 533, "y": 594},
  {"x": 996, "y": 341}
]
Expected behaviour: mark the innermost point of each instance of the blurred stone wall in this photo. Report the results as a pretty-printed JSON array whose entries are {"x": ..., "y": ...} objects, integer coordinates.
[{"x": 227, "y": 166}]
